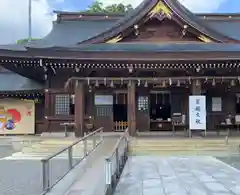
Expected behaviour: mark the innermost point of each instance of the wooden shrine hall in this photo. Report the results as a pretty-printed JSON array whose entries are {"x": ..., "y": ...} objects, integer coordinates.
[{"x": 133, "y": 71}]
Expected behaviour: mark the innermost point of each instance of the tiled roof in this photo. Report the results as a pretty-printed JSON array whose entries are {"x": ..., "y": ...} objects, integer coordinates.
[{"x": 10, "y": 81}]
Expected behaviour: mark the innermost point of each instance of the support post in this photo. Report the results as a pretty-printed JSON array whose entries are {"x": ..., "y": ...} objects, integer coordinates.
[
  {"x": 132, "y": 108},
  {"x": 196, "y": 87},
  {"x": 79, "y": 109}
]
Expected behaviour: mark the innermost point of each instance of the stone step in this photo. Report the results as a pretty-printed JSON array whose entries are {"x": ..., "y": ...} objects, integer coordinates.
[
  {"x": 180, "y": 153},
  {"x": 182, "y": 146},
  {"x": 49, "y": 150},
  {"x": 23, "y": 156},
  {"x": 184, "y": 141},
  {"x": 41, "y": 145},
  {"x": 177, "y": 149}
]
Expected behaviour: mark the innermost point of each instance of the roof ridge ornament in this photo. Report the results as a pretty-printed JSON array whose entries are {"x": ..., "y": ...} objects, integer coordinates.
[
  {"x": 160, "y": 7},
  {"x": 115, "y": 39},
  {"x": 205, "y": 39}
]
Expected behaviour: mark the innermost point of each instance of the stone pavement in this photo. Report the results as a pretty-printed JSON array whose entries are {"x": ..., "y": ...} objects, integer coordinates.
[{"x": 197, "y": 175}]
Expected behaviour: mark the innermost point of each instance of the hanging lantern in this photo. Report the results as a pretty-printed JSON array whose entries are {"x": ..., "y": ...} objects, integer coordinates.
[
  {"x": 139, "y": 82},
  {"x": 170, "y": 81},
  {"x": 198, "y": 83},
  {"x": 146, "y": 84},
  {"x": 121, "y": 81},
  {"x": 88, "y": 81},
  {"x": 164, "y": 84},
  {"x": 111, "y": 84},
  {"x": 232, "y": 83},
  {"x": 213, "y": 82},
  {"x": 90, "y": 89},
  {"x": 96, "y": 84},
  {"x": 178, "y": 83},
  {"x": 105, "y": 81}
]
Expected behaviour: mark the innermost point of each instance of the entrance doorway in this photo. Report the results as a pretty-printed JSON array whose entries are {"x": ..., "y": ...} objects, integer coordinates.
[
  {"x": 160, "y": 111},
  {"x": 120, "y": 117}
]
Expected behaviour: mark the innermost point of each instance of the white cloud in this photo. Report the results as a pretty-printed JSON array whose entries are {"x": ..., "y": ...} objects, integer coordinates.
[
  {"x": 202, "y": 5},
  {"x": 14, "y": 19},
  {"x": 193, "y": 5}
]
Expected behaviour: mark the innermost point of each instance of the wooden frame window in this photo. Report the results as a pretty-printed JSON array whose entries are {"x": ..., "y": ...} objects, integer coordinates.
[
  {"x": 143, "y": 104},
  {"x": 62, "y": 104}
]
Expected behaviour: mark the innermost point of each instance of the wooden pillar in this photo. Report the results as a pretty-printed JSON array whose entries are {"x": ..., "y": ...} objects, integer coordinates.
[
  {"x": 46, "y": 103},
  {"x": 196, "y": 87},
  {"x": 132, "y": 108},
  {"x": 79, "y": 109}
]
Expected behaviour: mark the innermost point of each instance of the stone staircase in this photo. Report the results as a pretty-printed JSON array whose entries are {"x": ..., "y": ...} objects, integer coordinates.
[
  {"x": 48, "y": 147},
  {"x": 175, "y": 147}
]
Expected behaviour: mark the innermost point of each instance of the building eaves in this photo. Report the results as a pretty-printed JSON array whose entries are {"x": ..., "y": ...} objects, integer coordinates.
[{"x": 10, "y": 81}]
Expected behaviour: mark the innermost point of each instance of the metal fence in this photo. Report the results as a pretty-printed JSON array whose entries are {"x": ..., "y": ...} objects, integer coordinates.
[
  {"x": 68, "y": 158},
  {"x": 115, "y": 163}
]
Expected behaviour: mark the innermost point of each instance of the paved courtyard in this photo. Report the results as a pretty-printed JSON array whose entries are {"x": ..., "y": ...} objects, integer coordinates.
[
  {"x": 199, "y": 175},
  {"x": 24, "y": 177}
]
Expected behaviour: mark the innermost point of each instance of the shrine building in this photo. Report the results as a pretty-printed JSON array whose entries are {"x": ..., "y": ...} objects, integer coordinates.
[{"x": 132, "y": 71}]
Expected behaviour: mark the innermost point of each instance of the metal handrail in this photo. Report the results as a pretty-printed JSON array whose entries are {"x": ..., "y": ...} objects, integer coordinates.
[
  {"x": 112, "y": 172},
  {"x": 46, "y": 186}
]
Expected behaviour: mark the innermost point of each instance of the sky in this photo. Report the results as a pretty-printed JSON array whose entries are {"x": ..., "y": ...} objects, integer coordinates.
[{"x": 14, "y": 13}]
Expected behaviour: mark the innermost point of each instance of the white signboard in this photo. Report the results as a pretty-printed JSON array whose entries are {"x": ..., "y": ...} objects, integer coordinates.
[{"x": 197, "y": 112}]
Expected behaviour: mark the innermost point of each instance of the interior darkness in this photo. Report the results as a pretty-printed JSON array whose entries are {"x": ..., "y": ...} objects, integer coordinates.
[
  {"x": 160, "y": 107},
  {"x": 120, "y": 107},
  {"x": 237, "y": 108},
  {"x": 120, "y": 112},
  {"x": 237, "y": 105}
]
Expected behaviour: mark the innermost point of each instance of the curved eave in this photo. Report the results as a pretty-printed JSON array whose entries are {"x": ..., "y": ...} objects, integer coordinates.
[
  {"x": 123, "y": 24},
  {"x": 192, "y": 20},
  {"x": 202, "y": 31}
]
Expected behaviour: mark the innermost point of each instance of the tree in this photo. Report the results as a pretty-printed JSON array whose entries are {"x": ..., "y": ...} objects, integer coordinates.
[
  {"x": 97, "y": 7},
  {"x": 20, "y": 41}
]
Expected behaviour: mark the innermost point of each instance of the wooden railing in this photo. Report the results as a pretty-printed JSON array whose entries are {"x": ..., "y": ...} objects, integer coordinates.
[{"x": 120, "y": 125}]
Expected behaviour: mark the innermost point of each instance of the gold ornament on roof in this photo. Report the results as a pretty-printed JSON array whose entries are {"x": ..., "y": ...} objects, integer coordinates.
[
  {"x": 160, "y": 7},
  {"x": 115, "y": 39},
  {"x": 205, "y": 39}
]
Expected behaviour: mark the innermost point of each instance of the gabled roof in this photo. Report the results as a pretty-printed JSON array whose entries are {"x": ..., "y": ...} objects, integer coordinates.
[
  {"x": 66, "y": 33},
  {"x": 69, "y": 29},
  {"x": 228, "y": 28},
  {"x": 171, "y": 8},
  {"x": 73, "y": 28}
]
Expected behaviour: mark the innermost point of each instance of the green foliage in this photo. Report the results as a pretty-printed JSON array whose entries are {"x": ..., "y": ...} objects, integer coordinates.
[
  {"x": 20, "y": 41},
  {"x": 97, "y": 7}
]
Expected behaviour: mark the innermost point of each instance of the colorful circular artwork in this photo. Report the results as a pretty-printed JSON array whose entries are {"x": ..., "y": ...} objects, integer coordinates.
[
  {"x": 10, "y": 125},
  {"x": 16, "y": 116}
]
